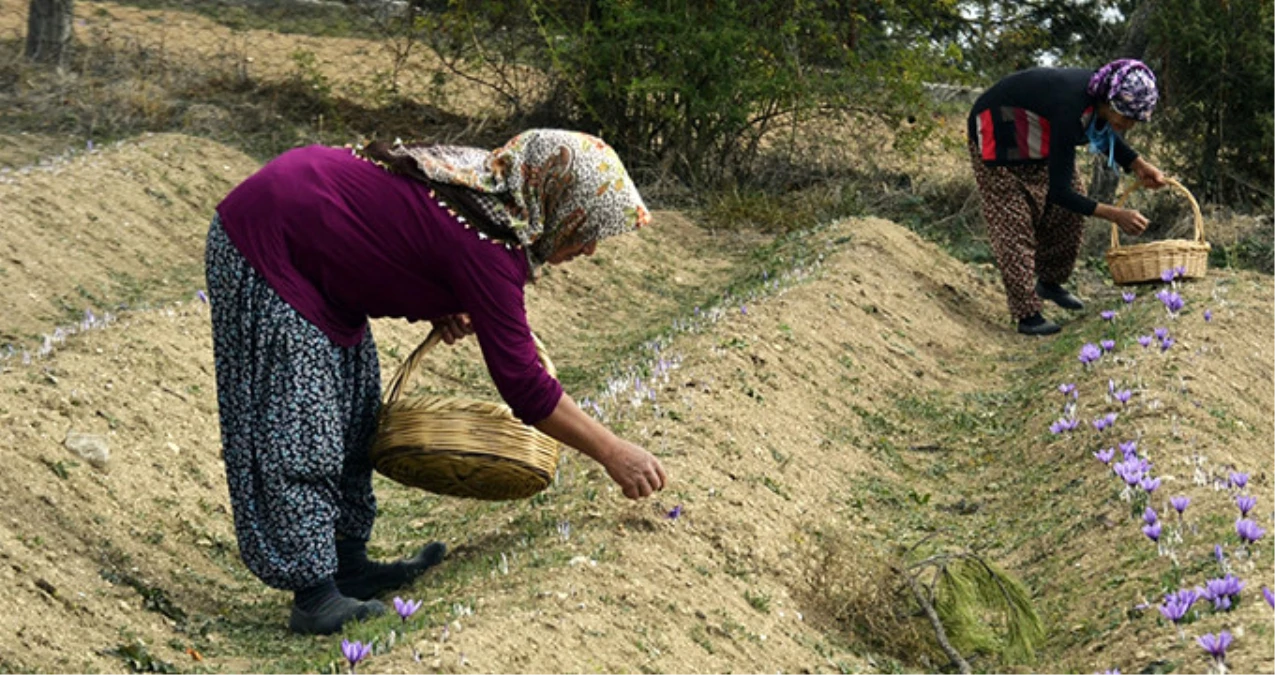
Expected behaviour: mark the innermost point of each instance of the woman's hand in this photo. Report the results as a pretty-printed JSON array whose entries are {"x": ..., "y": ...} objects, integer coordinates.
[
  {"x": 1148, "y": 174},
  {"x": 636, "y": 471},
  {"x": 454, "y": 327},
  {"x": 1129, "y": 221}
]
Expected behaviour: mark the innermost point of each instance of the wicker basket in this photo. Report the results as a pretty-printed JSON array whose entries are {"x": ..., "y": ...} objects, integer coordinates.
[
  {"x": 459, "y": 447},
  {"x": 1145, "y": 262}
]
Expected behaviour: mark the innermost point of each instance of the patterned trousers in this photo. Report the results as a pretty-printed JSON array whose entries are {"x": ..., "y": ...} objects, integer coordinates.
[
  {"x": 1031, "y": 238},
  {"x": 297, "y": 416}
]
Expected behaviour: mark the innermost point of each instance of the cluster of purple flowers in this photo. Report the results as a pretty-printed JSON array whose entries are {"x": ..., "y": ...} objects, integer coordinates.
[
  {"x": 1090, "y": 353},
  {"x": 1173, "y": 302},
  {"x": 1105, "y": 422}
]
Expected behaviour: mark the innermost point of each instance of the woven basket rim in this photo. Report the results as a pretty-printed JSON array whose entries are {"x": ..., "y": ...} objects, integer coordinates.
[{"x": 432, "y": 430}]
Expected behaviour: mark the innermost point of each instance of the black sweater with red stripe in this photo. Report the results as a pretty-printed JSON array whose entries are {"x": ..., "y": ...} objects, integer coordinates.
[{"x": 1039, "y": 116}]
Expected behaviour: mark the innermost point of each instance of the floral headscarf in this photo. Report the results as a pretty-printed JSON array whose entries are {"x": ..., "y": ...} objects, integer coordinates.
[
  {"x": 1128, "y": 85},
  {"x": 551, "y": 188}
]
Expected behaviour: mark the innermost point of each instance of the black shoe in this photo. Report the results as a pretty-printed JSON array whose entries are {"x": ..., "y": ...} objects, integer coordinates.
[
  {"x": 1037, "y": 325},
  {"x": 1058, "y": 295},
  {"x": 369, "y": 579},
  {"x": 331, "y": 615}
]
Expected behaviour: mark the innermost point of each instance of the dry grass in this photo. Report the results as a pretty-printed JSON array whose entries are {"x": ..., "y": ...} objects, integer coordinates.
[{"x": 851, "y": 586}]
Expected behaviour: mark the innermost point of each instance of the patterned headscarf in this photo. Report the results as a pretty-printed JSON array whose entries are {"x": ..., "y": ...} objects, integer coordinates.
[
  {"x": 550, "y": 188},
  {"x": 1128, "y": 85}
]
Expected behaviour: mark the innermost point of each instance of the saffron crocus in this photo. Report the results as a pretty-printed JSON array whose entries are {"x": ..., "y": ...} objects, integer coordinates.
[
  {"x": 1123, "y": 396},
  {"x": 1217, "y": 553},
  {"x": 1111, "y": 418},
  {"x": 1245, "y": 504},
  {"x": 1128, "y": 297},
  {"x": 1107, "y": 345},
  {"x": 406, "y": 608},
  {"x": 1270, "y": 597},
  {"x": 355, "y": 651},
  {"x": 1216, "y": 645},
  {"x": 1129, "y": 448},
  {"x": 1066, "y": 388},
  {"x": 1167, "y": 275},
  {"x": 1161, "y": 333},
  {"x": 1105, "y": 456},
  {"x": 1208, "y": 315},
  {"x": 675, "y": 513},
  {"x": 1152, "y": 531},
  {"x": 1101, "y": 423},
  {"x": 1107, "y": 315},
  {"x": 1144, "y": 340},
  {"x": 1149, "y": 516},
  {"x": 1179, "y": 504},
  {"x": 1239, "y": 480},
  {"x": 1223, "y": 591},
  {"x": 1248, "y": 530},
  {"x": 1090, "y": 353},
  {"x": 1128, "y": 471},
  {"x": 201, "y": 296},
  {"x": 1166, "y": 343},
  {"x": 1176, "y": 605},
  {"x": 1149, "y": 484},
  {"x": 1180, "y": 271}
]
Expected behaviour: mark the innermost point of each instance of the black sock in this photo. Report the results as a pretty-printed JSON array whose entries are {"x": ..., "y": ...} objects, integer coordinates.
[
  {"x": 312, "y": 598},
  {"x": 358, "y": 577}
]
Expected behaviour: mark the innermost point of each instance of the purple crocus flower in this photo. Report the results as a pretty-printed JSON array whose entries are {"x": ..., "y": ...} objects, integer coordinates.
[
  {"x": 1149, "y": 484},
  {"x": 1111, "y": 418},
  {"x": 1217, "y": 553},
  {"x": 1179, "y": 271},
  {"x": 1165, "y": 344},
  {"x": 1248, "y": 530},
  {"x": 1270, "y": 597},
  {"x": 1105, "y": 456},
  {"x": 1167, "y": 275},
  {"x": 674, "y": 513},
  {"x": 1100, "y": 423},
  {"x": 201, "y": 296},
  {"x": 1149, "y": 516},
  {"x": 1223, "y": 592},
  {"x": 1107, "y": 345},
  {"x": 1128, "y": 297},
  {"x": 1129, "y": 448},
  {"x": 1176, "y": 605},
  {"x": 1123, "y": 396},
  {"x": 1208, "y": 315},
  {"x": 1107, "y": 315},
  {"x": 1239, "y": 480},
  {"x": 1179, "y": 504},
  {"x": 1215, "y": 645},
  {"x": 743, "y": 309},
  {"x": 1144, "y": 340},
  {"x": 406, "y": 608},
  {"x": 1152, "y": 531},
  {"x": 1066, "y": 388},
  {"x": 355, "y": 651},
  {"x": 1129, "y": 472},
  {"x": 1090, "y": 353},
  {"x": 1057, "y": 427},
  {"x": 1161, "y": 333},
  {"x": 1245, "y": 503}
]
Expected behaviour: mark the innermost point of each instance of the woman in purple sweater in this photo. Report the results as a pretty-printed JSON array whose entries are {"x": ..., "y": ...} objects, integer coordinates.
[{"x": 306, "y": 250}]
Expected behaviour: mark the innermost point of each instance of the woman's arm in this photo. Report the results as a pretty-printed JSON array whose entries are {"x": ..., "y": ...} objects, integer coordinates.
[{"x": 636, "y": 471}]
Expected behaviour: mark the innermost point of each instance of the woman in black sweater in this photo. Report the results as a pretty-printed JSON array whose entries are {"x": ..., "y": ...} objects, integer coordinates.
[{"x": 1023, "y": 134}]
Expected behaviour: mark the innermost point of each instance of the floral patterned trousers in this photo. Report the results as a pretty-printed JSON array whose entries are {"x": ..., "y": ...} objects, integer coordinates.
[
  {"x": 1031, "y": 238},
  {"x": 297, "y": 416}
]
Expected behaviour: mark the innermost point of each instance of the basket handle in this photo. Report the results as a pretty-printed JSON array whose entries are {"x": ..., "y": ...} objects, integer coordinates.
[
  {"x": 398, "y": 384},
  {"x": 1195, "y": 209}
]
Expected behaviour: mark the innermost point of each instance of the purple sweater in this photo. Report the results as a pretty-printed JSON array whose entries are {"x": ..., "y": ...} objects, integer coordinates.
[{"x": 341, "y": 240}]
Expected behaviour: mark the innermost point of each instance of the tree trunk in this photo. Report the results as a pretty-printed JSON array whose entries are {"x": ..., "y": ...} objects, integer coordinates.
[
  {"x": 1134, "y": 44},
  {"x": 49, "y": 31}
]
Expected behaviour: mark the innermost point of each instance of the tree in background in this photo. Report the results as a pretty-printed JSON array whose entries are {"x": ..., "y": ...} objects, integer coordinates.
[
  {"x": 693, "y": 89},
  {"x": 49, "y": 31},
  {"x": 1214, "y": 61}
]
